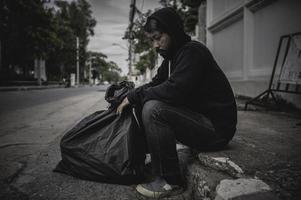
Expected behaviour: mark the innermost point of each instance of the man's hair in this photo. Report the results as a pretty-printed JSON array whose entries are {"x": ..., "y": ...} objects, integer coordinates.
[{"x": 153, "y": 25}]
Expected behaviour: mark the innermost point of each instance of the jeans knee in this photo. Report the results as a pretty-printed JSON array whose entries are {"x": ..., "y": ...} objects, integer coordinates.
[{"x": 150, "y": 109}]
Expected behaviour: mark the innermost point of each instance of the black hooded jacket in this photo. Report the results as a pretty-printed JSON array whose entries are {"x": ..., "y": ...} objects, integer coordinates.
[{"x": 196, "y": 81}]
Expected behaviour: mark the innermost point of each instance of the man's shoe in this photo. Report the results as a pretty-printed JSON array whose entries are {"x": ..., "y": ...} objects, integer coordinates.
[{"x": 158, "y": 188}]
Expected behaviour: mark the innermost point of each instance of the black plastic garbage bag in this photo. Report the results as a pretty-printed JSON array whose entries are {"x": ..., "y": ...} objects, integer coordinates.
[
  {"x": 104, "y": 147},
  {"x": 117, "y": 92}
]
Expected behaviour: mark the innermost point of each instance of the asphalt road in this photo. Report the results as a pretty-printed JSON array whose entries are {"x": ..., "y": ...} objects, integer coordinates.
[
  {"x": 31, "y": 120},
  {"x": 31, "y": 126},
  {"x": 267, "y": 146},
  {"x": 14, "y": 100}
]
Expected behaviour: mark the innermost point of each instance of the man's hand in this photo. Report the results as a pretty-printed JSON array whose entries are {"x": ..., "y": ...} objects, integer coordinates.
[{"x": 123, "y": 104}]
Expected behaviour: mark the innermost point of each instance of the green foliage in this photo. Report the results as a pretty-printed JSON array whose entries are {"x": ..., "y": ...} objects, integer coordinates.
[
  {"x": 72, "y": 20},
  {"x": 113, "y": 72},
  {"x": 26, "y": 32},
  {"x": 30, "y": 30},
  {"x": 146, "y": 61},
  {"x": 192, "y": 3},
  {"x": 187, "y": 9},
  {"x": 141, "y": 42},
  {"x": 111, "y": 76},
  {"x": 123, "y": 78},
  {"x": 142, "y": 45},
  {"x": 107, "y": 70}
]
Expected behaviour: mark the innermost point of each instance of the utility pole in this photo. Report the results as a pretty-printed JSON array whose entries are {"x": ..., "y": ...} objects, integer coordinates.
[
  {"x": 90, "y": 71},
  {"x": 77, "y": 61},
  {"x": 131, "y": 23},
  {"x": 130, "y": 57},
  {"x": 39, "y": 72}
]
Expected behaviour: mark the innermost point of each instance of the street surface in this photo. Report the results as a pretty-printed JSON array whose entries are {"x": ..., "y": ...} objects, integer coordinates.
[
  {"x": 31, "y": 120},
  {"x": 14, "y": 100},
  {"x": 267, "y": 146},
  {"x": 31, "y": 126}
]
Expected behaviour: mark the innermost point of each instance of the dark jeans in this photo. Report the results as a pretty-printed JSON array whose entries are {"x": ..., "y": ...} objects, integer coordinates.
[{"x": 165, "y": 125}]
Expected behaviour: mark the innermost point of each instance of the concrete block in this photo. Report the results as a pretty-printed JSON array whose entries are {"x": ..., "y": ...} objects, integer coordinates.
[
  {"x": 230, "y": 163},
  {"x": 221, "y": 164},
  {"x": 243, "y": 189}
]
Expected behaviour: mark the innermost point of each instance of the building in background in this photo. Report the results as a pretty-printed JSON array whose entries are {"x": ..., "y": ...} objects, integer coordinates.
[{"x": 243, "y": 36}]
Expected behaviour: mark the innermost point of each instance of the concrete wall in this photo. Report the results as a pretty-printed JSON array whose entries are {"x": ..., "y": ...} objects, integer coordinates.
[
  {"x": 201, "y": 26},
  {"x": 228, "y": 50},
  {"x": 220, "y": 7},
  {"x": 243, "y": 36}
]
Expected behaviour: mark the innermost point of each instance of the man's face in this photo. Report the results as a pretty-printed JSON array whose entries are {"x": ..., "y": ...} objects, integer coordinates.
[{"x": 161, "y": 41}]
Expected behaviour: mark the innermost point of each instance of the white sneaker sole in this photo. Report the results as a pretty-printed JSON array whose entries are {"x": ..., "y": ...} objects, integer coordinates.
[
  {"x": 147, "y": 193},
  {"x": 151, "y": 194}
]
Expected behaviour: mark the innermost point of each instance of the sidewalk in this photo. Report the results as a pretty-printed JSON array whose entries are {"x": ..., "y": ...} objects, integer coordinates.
[
  {"x": 263, "y": 159},
  {"x": 32, "y": 87},
  {"x": 261, "y": 162},
  {"x": 36, "y": 87}
]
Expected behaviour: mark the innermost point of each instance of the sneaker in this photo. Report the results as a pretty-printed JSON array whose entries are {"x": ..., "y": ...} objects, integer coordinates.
[{"x": 158, "y": 188}]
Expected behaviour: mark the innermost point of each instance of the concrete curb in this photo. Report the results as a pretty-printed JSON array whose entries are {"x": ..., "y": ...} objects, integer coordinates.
[
  {"x": 244, "y": 188},
  {"x": 219, "y": 178}
]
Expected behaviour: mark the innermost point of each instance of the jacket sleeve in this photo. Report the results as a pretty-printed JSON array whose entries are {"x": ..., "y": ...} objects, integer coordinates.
[
  {"x": 161, "y": 75},
  {"x": 184, "y": 79}
]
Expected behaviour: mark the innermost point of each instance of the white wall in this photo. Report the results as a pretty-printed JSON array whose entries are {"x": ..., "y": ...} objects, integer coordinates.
[
  {"x": 227, "y": 48},
  {"x": 280, "y": 18},
  {"x": 219, "y": 7},
  {"x": 243, "y": 35}
]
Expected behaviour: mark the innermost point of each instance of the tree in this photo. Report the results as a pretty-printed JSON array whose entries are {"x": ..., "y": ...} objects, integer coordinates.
[
  {"x": 62, "y": 61},
  {"x": 113, "y": 72},
  {"x": 142, "y": 45},
  {"x": 95, "y": 75},
  {"x": 82, "y": 23},
  {"x": 141, "y": 42},
  {"x": 107, "y": 70},
  {"x": 187, "y": 9},
  {"x": 147, "y": 60},
  {"x": 29, "y": 30},
  {"x": 72, "y": 20},
  {"x": 99, "y": 63},
  {"x": 113, "y": 67},
  {"x": 26, "y": 33},
  {"x": 111, "y": 76}
]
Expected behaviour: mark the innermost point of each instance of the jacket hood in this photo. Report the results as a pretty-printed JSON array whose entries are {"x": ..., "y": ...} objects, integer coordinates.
[{"x": 173, "y": 25}]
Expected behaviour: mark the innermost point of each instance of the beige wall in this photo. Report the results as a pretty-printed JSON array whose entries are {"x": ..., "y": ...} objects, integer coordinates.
[
  {"x": 219, "y": 7},
  {"x": 280, "y": 18},
  {"x": 227, "y": 46},
  {"x": 243, "y": 36}
]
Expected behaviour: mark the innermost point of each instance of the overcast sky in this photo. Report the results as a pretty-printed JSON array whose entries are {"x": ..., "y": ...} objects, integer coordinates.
[{"x": 112, "y": 20}]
